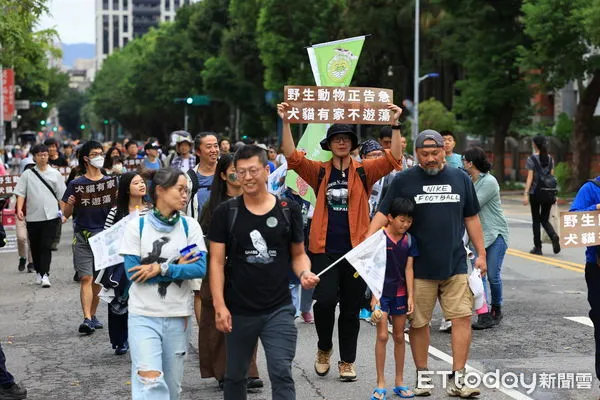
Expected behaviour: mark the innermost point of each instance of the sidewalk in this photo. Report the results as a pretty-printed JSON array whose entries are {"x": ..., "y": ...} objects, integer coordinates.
[{"x": 516, "y": 196}]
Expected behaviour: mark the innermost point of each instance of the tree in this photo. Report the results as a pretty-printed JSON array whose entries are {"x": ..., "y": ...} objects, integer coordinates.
[
  {"x": 484, "y": 36},
  {"x": 565, "y": 36},
  {"x": 434, "y": 115},
  {"x": 69, "y": 110}
]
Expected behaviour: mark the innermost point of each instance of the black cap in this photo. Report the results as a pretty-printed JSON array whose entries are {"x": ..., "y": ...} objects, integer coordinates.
[
  {"x": 337, "y": 129},
  {"x": 150, "y": 146}
]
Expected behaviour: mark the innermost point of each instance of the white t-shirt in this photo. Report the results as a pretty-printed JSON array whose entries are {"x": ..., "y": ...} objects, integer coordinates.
[{"x": 170, "y": 299}]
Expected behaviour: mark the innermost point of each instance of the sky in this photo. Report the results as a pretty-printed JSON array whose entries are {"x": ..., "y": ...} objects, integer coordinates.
[{"x": 73, "y": 20}]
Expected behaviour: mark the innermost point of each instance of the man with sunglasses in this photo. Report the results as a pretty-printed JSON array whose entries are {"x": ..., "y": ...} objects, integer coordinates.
[{"x": 340, "y": 222}]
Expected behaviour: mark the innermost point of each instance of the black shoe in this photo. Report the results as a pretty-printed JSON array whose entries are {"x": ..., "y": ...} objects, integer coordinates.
[
  {"x": 13, "y": 392},
  {"x": 22, "y": 262},
  {"x": 497, "y": 314},
  {"x": 484, "y": 321},
  {"x": 76, "y": 277},
  {"x": 123, "y": 349},
  {"x": 30, "y": 268},
  {"x": 536, "y": 250},
  {"x": 254, "y": 383},
  {"x": 556, "y": 244},
  {"x": 221, "y": 384}
]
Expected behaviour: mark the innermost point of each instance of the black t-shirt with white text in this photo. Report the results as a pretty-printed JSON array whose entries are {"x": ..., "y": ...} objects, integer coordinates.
[
  {"x": 338, "y": 227},
  {"x": 442, "y": 203},
  {"x": 257, "y": 273}
]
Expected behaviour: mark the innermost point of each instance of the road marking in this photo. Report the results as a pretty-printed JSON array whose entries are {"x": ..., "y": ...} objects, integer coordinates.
[
  {"x": 545, "y": 261},
  {"x": 582, "y": 320},
  {"x": 543, "y": 258}
]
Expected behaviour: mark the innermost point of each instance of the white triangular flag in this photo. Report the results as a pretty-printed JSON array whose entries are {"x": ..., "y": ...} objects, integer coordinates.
[{"x": 369, "y": 259}]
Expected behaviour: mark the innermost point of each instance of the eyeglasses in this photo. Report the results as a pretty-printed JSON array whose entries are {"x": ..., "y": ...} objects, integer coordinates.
[
  {"x": 340, "y": 139},
  {"x": 241, "y": 173}
]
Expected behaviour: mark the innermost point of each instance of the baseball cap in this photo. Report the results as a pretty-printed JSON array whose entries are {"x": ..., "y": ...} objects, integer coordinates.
[{"x": 429, "y": 134}]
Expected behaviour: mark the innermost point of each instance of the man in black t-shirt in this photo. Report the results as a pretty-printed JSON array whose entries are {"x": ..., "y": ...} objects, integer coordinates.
[
  {"x": 55, "y": 159},
  {"x": 446, "y": 205},
  {"x": 262, "y": 238}
]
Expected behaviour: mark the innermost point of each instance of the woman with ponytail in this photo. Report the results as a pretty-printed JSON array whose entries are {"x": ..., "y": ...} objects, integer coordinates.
[
  {"x": 540, "y": 165},
  {"x": 495, "y": 231}
]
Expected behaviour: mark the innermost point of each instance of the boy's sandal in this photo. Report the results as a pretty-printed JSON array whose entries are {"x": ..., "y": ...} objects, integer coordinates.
[
  {"x": 402, "y": 390},
  {"x": 381, "y": 392}
]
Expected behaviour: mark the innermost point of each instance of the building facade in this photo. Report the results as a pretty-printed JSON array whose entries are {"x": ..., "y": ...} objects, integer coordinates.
[{"x": 119, "y": 21}]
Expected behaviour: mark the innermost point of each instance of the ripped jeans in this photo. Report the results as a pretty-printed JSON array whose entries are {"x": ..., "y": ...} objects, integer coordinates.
[{"x": 157, "y": 344}]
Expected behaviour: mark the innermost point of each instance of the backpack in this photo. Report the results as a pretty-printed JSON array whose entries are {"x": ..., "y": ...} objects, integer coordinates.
[
  {"x": 546, "y": 184},
  {"x": 233, "y": 205},
  {"x": 361, "y": 174}
]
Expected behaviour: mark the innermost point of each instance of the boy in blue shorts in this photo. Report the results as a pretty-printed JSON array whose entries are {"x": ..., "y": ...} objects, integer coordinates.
[{"x": 397, "y": 295}]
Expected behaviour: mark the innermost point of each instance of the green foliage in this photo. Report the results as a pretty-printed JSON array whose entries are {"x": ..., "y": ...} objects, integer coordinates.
[
  {"x": 69, "y": 110},
  {"x": 563, "y": 174},
  {"x": 563, "y": 129},
  {"x": 434, "y": 115}
]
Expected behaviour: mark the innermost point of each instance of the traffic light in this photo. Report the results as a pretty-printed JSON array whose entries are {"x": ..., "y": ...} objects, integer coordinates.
[
  {"x": 105, "y": 122},
  {"x": 189, "y": 100},
  {"x": 55, "y": 129},
  {"x": 43, "y": 122},
  {"x": 44, "y": 104},
  {"x": 82, "y": 126}
]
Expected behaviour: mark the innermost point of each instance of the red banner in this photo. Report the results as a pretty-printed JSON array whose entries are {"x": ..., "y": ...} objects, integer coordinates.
[{"x": 8, "y": 93}]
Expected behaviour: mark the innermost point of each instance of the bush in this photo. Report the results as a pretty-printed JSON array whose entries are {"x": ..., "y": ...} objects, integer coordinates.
[
  {"x": 563, "y": 128},
  {"x": 563, "y": 175}
]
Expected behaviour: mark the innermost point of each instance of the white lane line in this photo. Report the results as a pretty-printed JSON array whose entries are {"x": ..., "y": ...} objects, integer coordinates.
[
  {"x": 448, "y": 359},
  {"x": 581, "y": 320},
  {"x": 523, "y": 221}
]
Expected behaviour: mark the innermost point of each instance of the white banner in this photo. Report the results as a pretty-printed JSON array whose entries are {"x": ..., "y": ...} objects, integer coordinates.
[
  {"x": 106, "y": 244},
  {"x": 369, "y": 259}
]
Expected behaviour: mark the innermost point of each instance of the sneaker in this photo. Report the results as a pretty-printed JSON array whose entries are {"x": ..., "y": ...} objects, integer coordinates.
[
  {"x": 12, "y": 392},
  {"x": 30, "y": 268},
  {"x": 364, "y": 314},
  {"x": 38, "y": 279},
  {"x": 87, "y": 327},
  {"x": 308, "y": 318},
  {"x": 22, "y": 262},
  {"x": 347, "y": 372},
  {"x": 556, "y": 244},
  {"x": 457, "y": 388},
  {"x": 536, "y": 251},
  {"x": 484, "y": 321},
  {"x": 254, "y": 383},
  {"x": 445, "y": 326},
  {"x": 97, "y": 324},
  {"x": 46, "y": 281},
  {"x": 123, "y": 349},
  {"x": 427, "y": 383},
  {"x": 322, "y": 364}
]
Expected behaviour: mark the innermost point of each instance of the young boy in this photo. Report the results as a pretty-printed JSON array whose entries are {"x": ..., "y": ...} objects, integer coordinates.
[{"x": 397, "y": 295}]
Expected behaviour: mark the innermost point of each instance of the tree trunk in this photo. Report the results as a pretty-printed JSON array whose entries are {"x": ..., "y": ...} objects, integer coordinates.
[
  {"x": 582, "y": 133},
  {"x": 501, "y": 127}
]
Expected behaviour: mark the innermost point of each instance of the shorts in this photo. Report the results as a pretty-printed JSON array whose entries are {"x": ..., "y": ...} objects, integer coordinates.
[
  {"x": 453, "y": 293},
  {"x": 83, "y": 257},
  {"x": 394, "y": 305}
]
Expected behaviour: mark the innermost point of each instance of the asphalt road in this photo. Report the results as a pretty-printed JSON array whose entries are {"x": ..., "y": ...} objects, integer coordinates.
[{"x": 38, "y": 331}]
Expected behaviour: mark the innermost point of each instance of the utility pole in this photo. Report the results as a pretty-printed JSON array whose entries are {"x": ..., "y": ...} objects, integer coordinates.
[{"x": 416, "y": 75}]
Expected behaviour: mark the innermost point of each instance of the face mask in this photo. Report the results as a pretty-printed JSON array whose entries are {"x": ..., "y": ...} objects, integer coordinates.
[{"x": 97, "y": 162}]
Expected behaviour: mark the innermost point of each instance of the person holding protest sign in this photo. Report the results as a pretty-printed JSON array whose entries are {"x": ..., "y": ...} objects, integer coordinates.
[
  {"x": 40, "y": 188},
  {"x": 130, "y": 199},
  {"x": 163, "y": 251},
  {"x": 445, "y": 197},
  {"x": 261, "y": 237},
  {"x": 588, "y": 199},
  {"x": 89, "y": 197},
  {"x": 340, "y": 222},
  {"x": 211, "y": 342}
]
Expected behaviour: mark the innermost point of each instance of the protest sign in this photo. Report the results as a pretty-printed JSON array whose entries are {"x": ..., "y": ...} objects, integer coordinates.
[
  {"x": 338, "y": 105},
  {"x": 97, "y": 194},
  {"x": 106, "y": 244},
  {"x": 7, "y": 184},
  {"x": 580, "y": 228},
  {"x": 132, "y": 165},
  {"x": 276, "y": 181}
]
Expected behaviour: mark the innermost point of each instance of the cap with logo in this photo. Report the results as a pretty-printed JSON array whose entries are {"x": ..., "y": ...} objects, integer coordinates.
[{"x": 429, "y": 134}]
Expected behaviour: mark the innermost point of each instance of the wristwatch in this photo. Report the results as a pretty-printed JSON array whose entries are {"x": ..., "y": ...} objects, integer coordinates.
[{"x": 164, "y": 268}]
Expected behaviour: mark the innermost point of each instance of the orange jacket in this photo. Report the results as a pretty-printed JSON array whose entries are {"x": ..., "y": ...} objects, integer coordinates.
[{"x": 358, "y": 200}]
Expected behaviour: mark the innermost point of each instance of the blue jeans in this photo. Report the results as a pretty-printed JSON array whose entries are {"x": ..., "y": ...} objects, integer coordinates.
[
  {"x": 495, "y": 257},
  {"x": 5, "y": 376},
  {"x": 278, "y": 335},
  {"x": 157, "y": 344},
  {"x": 301, "y": 298}
]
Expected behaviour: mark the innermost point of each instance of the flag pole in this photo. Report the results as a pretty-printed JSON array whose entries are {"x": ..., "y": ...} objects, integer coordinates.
[{"x": 331, "y": 266}]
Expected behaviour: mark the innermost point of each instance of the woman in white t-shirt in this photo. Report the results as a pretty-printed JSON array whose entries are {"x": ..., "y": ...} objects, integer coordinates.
[{"x": 160, "y": 298}]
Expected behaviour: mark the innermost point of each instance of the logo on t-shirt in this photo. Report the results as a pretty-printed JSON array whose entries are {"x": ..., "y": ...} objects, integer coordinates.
[
  {"x": 261, "y": 253},
  {"x": 154, "y": 257},
  {"x": 337, "y": 196},
  {"x": 437, "y": 194}
]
